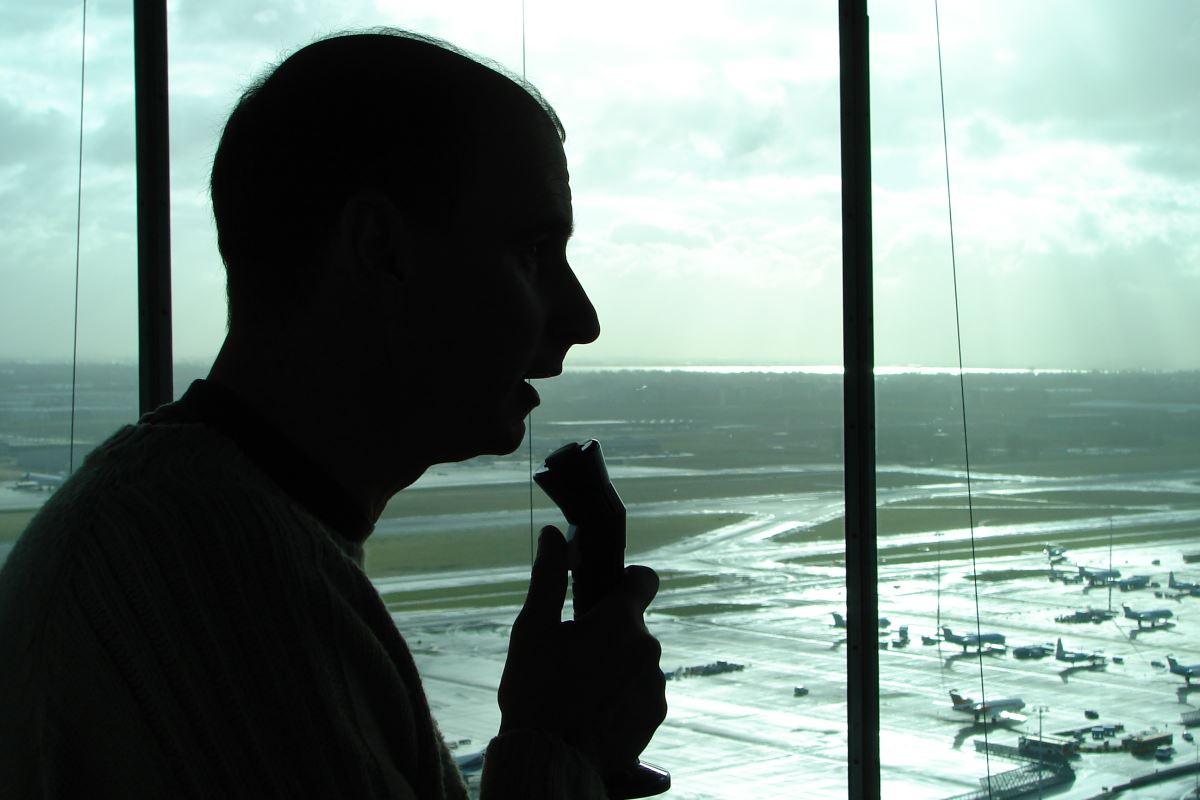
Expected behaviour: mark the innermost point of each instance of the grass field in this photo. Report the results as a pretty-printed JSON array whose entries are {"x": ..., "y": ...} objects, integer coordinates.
[
  {"x": 1008, "y": 545},
  {"x": 995, "y": 510},
  {"x": 707, "y": 609},
  {"x": 512, "y": 593},
  {"x": 13, "y": 522},
  {"x": 419, "y": 553},
  {"x": 515, "y": 497}
]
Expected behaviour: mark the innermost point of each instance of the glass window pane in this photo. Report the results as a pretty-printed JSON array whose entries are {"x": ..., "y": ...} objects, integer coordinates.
[
  {"x": 705, "y": 165},
  {"x": 703, "y": 150},
  {"x": 41, "y": 192},
  {"x": 1072, "y": 166},
  {"x": 451, "y": 554}
]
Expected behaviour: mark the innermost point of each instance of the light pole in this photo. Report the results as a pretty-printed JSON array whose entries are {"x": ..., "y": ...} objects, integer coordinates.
[
  {"x": 1196, "y": 792},
  {"x": 1110, "y": 577},
  {"x": 1041, "y": 748}
]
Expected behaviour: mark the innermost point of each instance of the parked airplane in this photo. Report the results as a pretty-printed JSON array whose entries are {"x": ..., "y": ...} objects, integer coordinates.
[
  {"x": 1096, "y": 615},
  {"x": 1181, "y": 586},
  {"x": 38, "y": 482},
  {"x": 1155, "y": 617},
  {"x": 1188, "y": 672},
  {"x": 1134, "y": 582},
  {"x": 1100, "y": 577},
  {"x": 972, "y": 639},
  {"x": 1033, "y": 650},
  {"x": 1005, "y": 708},
  {"x": 1055, "y": 553},
  {"x": 1075, "y": 656},
  {"x": 840, "y": 622}
]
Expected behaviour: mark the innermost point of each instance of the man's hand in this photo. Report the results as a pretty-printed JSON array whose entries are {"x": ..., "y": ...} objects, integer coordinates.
[{"x": 594, "y": 682}]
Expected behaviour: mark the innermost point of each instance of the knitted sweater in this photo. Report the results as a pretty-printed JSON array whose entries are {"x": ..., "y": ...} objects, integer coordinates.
[{"x": 174, "y": 624}]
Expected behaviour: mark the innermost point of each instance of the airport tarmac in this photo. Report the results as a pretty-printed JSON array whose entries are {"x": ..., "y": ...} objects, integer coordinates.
[
  {"x": 744, "y": 733},
  {"x": 756, "y": 593}
]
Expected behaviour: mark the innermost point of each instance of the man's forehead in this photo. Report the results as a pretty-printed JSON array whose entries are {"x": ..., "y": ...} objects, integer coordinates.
[{"x": 521, "y": 182}]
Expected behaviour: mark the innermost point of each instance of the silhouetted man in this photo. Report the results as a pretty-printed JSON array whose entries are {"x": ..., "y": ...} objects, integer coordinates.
[{"x": 188, "y": 615}]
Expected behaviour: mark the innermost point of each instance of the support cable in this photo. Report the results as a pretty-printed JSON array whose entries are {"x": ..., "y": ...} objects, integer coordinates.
[
  {"x": 962, "y": 390},
  {"x": 529, "y": 427},
  {"x": 529, "y": 434},
  {"x": 78, "y": 238}
]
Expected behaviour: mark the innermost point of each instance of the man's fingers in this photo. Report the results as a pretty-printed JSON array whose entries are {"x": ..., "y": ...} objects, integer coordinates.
[
  {"x": 642, "y": 585},
  {"x": 547, "y": 583},
  {"x": 628, "y": 599}
]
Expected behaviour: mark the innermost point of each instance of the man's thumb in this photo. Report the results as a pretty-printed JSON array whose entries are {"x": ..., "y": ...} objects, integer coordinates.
[{"x": 547, "y": 582}]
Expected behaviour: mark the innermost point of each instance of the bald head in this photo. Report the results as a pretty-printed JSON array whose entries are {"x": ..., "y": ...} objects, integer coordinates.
[{"x": 409, "y": 116}]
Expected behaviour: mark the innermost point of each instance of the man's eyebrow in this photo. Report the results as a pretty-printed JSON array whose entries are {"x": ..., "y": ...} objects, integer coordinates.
[{"x": 555, "y": 225}]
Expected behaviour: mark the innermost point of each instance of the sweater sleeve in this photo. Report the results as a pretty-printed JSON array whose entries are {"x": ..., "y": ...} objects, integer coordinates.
[{"x": 533, "y": 765}]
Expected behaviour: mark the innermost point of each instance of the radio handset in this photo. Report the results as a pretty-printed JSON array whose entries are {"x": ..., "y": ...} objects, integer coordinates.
[{"x": 575, "y": 477}]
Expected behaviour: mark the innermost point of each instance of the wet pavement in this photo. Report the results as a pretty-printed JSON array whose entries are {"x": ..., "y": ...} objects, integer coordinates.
[{"x": 744, "y": 733}]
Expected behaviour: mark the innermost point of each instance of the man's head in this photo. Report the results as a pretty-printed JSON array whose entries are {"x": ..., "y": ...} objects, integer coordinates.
[
  {"x": 418, "y": 201},
  {"x": 385, "y": 110}
]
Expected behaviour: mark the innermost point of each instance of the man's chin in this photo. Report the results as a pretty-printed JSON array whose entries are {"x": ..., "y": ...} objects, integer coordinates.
[
  {"x": 510, "y": 439},
  {"x": 502, "y": 439}
]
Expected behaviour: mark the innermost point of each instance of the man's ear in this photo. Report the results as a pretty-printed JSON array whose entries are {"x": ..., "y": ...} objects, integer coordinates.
[{"x": 374, "y": 234}]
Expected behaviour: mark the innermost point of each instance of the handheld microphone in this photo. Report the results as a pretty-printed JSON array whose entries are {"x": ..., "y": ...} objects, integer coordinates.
[{"x": 575, "y": 477}]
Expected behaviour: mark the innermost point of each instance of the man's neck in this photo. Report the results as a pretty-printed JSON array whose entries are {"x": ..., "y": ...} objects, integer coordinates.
[{"x": 323, "y": 409}]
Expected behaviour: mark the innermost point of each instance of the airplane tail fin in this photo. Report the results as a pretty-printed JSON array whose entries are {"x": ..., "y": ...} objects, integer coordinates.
[
  {"x": 1172, "y": 663},
  {"x": 946, "y": 632},
  {"x": 1128, "y": 611},
  {"x": 956, "y": 698},
  {"x": 1170, "y": 580},
  {"x": 1058, "y": 649}
]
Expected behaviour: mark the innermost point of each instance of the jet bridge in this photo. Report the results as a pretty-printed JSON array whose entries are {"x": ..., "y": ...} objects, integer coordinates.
[{"x": 1021, "y": 781}]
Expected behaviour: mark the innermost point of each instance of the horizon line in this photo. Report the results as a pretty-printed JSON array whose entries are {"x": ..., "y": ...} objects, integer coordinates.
[{"x": 714, "y": 367}]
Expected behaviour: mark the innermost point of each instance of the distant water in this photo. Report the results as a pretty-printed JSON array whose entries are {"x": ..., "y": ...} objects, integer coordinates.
[
  {"x": 822, "y": 369},
  {"x": 716, "y": 370}
]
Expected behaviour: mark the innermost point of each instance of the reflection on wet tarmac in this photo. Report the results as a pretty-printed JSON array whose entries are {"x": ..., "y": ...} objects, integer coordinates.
[{"x": 765, "y": 601}]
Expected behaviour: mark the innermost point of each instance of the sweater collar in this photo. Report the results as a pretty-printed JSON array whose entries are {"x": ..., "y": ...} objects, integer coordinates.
[{"x": 302, "y": 479}]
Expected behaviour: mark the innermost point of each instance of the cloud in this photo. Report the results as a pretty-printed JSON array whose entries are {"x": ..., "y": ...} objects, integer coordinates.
[
  {"x": 637, "y": 233},
  {"x": 703, "y": 141}
]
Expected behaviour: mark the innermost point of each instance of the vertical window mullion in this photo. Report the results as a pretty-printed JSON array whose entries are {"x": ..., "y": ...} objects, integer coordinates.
[
  {"x": 153, "y": 204},
  {"x": 862, "y": 603}
]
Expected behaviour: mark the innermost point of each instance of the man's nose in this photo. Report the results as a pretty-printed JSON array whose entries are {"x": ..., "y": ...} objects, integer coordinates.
[{"x": 577, "y": 320}]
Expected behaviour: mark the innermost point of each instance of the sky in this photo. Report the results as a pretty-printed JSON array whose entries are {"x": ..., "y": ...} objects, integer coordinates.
[{"x": 703, "y": 145}]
